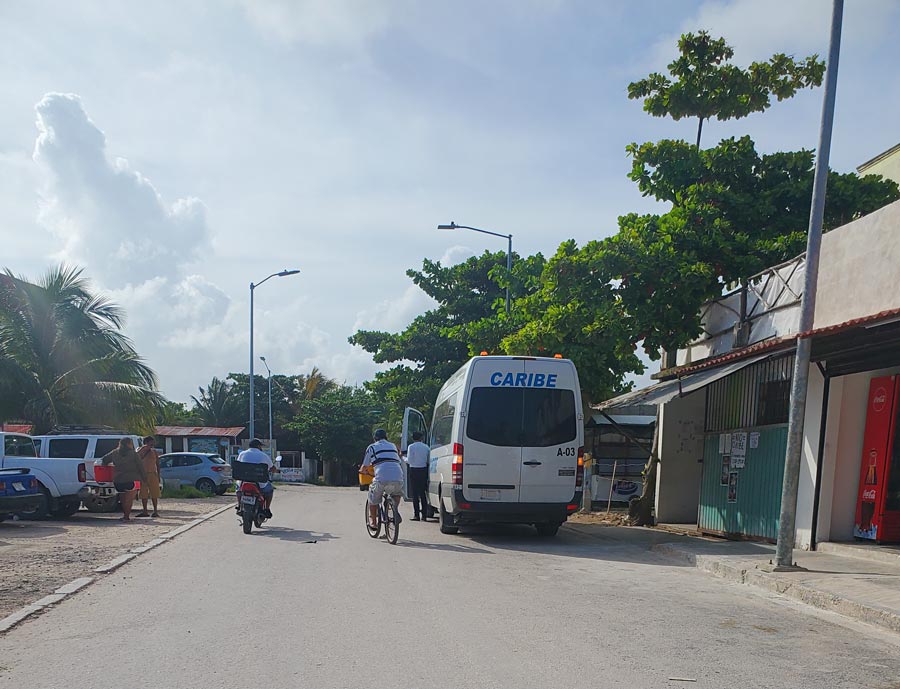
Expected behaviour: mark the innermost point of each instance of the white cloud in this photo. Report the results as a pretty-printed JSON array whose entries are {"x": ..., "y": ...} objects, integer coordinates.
[
  {"x": 109, "y": 216},
  {"x": 336, "y": 22}
]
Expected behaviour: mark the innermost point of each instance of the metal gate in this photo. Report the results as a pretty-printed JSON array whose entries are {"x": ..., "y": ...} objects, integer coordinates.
[{"x": 743, "y": 453}]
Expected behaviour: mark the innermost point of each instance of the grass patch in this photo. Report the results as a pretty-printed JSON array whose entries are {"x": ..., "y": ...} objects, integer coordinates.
[{"x": 183, "y": 492}]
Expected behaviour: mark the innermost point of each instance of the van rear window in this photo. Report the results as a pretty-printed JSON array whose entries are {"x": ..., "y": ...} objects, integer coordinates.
[{"x": 527, "y": 417}]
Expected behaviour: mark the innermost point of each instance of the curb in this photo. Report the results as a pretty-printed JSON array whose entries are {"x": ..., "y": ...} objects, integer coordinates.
[
  {"x": 745, "y": 573},
  {"x": 76, "y": 585}
]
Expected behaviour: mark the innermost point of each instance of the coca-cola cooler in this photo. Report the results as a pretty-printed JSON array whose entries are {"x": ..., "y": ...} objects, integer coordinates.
[{"x": 878, "y": 503}]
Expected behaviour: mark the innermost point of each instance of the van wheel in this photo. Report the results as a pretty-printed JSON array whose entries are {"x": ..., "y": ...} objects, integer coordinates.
[
  {"x": 447, "y": 525},
  {"x": 547, "y": 529}
]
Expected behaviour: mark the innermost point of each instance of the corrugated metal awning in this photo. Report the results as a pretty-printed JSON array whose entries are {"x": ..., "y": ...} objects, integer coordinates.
[
  {"x": 199, "y": 431},
  {"x": 662, "y": 392}
]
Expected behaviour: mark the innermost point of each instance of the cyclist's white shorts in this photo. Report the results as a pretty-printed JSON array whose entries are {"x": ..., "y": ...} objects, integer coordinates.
[{"x": 379, "y": 488}]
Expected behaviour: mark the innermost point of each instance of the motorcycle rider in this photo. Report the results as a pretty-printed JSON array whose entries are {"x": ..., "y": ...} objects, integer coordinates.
[
  {"x": 383, "y": 455},
  {"x": 253, "y": 455}
]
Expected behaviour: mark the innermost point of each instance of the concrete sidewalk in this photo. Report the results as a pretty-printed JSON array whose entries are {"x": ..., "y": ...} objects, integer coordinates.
[{"x": 859, "y": 582}]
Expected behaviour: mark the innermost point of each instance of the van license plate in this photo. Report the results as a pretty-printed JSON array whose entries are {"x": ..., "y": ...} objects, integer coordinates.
[{"x": 490, "y": 494}]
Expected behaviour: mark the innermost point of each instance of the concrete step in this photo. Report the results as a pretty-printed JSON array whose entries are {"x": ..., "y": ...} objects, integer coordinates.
[{"x": 889, "y": 554}]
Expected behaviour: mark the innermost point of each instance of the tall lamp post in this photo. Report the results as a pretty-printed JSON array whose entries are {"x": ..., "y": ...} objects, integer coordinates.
[
  {"x": 271, "y": 449},
  {"x": 283, "y": 273},
  {"x": 508, "y": 237}
]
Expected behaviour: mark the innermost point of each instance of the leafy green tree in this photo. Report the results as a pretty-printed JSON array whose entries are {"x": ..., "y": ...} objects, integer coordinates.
[
  {"x": 64, "y": 359},
  {"x": 469, "y": 318},
  {"x": 176, "y": 414},
  {"x": 219, "y": 405},
  {"x": 337, "y": 427},
  {"x": 704, "y": 84}
]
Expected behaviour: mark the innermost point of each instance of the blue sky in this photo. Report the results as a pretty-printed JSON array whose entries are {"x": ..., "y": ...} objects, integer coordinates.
[{"x": 203, "y": 145}]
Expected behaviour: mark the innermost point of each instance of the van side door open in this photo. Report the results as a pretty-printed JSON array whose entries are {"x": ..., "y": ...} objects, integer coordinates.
[{"x": 413, "y": 422}]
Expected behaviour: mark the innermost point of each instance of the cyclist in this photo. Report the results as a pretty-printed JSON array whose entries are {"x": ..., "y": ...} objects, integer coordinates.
[{"x": 383, "y": 456}]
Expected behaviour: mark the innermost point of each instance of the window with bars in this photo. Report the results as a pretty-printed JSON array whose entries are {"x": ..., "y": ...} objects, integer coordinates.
[{"x": 758, "y": 395}]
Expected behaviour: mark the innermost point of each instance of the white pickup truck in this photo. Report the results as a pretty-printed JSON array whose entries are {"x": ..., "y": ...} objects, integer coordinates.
[
  {"x": 62, "y": 482},
  {"x": 87, "y": 447}
]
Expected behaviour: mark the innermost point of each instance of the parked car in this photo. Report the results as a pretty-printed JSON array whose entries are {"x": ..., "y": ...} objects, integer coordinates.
[
  {"x": 207, "y": 472},
  {"x": 87, "y": 444},
  {"x": 61, "y": 482},
  {"x": 19, "y": 492}
]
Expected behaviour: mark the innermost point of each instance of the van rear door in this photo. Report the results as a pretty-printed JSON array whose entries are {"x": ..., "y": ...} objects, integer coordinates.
[
  {"x": 552, "y": 432},
  {"x": 492, "y": 448},
  {"x": 413, "y": 422}
]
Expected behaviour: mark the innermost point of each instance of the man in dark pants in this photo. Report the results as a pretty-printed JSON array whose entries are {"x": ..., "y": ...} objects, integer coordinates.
[{"x": 417, "y": 455}]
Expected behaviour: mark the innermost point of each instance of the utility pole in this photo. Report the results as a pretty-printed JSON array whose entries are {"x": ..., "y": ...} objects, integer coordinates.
[{"x": 788, "y": 520}]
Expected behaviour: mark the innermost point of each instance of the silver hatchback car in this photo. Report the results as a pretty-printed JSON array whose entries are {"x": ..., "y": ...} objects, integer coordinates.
[{"x": 207, "y": 472}]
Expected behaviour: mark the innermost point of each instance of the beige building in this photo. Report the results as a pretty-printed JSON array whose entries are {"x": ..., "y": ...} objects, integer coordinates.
[{"x": 886, "y": 164}]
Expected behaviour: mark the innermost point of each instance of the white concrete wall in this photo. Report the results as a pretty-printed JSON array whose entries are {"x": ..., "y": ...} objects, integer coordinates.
[
  {"x": 858, "y": 268},
  {"x": 829, "y": 461},
  {"x": 807, "y": 485},
  {"x": 681, "y": 449}
]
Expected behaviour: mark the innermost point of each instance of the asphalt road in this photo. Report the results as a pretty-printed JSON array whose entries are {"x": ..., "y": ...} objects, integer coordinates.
[{"x": 494, "y": 608}]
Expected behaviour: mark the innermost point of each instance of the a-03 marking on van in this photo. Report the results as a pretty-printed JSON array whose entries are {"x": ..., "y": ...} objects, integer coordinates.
[{"x": 507, "y": 443}]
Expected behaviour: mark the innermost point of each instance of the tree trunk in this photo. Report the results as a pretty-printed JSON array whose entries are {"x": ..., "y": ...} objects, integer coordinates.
[
  {"x": 332, "y": 472},
  {"x": 640, "y": 510}
]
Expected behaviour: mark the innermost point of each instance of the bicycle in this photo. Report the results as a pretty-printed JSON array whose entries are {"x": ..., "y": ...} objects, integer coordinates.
[{"x": 387, "y": 516}]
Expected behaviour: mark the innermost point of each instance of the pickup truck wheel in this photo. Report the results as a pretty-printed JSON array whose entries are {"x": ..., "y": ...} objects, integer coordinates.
[
  {"x": 97, "y": 504},
  {"x": 42, "y": 511},
  {"x": 65, "y": 508}
]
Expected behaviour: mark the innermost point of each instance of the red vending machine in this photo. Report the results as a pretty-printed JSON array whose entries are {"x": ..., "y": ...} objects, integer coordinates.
[{"x": 878, "y": 503}]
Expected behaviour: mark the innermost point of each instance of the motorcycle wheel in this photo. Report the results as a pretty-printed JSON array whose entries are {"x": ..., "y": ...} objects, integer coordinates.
[{"x": 248, "y": 520}]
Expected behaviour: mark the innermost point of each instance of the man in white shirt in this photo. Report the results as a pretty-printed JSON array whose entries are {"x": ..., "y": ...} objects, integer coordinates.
[
  {"x": 417, "y": 455},
  {"x": 383, "y": 455},
  {"x": 253, "y": 455}
]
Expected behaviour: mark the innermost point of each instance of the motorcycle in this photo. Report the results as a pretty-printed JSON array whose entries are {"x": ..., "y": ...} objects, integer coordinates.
[{"x": 251, "y": 506}]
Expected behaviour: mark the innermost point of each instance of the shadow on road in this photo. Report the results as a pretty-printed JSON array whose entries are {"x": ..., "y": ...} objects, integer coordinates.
[
  {"x": 285, "y": 533},
  {"x": 447, "y": 547},
  {"x": 612, "y": 544}
]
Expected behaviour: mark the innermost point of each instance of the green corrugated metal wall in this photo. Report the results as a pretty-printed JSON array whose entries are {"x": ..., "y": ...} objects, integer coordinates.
[{"x": 755, "y": 512}]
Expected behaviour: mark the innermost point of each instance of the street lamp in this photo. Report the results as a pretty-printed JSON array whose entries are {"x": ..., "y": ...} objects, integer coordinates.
[
  {"x": 508, "y": 237},
  {"x": 271, "y": 450},
  {"x": 283, "y": 273}
]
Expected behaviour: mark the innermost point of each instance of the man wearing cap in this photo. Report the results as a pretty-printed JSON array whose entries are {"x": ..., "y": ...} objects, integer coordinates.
[{"x": 253, "y": 455}]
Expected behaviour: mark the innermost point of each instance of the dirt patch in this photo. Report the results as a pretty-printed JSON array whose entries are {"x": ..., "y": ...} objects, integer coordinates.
[
  {"x": 616, "y": 517},
  {"x": 36, "y": 558}
]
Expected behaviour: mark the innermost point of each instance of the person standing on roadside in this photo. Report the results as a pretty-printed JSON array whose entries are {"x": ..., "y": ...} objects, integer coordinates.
[
  {"x": 127, "y": 468},
  {"x": 150, "y": 484},
  {"x": 417, "y": 455}
]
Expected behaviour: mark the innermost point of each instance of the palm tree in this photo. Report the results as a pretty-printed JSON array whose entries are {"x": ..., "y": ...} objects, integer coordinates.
[
  {"x": 64, "y": 359},
  {"x": 218, "y": 405}
]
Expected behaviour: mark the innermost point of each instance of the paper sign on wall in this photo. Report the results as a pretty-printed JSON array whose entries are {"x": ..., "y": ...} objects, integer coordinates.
[
  {"x": 732, "y": 486},
  {"x": 739, "y": 444},
  {"x": 754, "y": 441},
  {"x": 728, "y": 443},
  {"x": 721, "y": 443},
  {"x": 737, "y": 461},
  {"x": 726, "y": 468}
]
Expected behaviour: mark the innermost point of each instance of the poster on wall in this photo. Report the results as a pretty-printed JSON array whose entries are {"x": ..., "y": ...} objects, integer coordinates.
[
  {"x": 721, "y": 443},
  {"x": 728, "y": 443},
  {"x": 754, "y": 441},
  {"x": 732, "y": 486},
  {"x": 739, "y": 445},
  {"x": 726, "y": 469},
  {"x": 737, "y": 461}
]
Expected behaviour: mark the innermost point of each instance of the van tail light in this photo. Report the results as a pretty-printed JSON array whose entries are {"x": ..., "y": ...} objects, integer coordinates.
[
  {"x": 2, "y": 486},
  {"x": 457, "y": 466},
  {"x": 82, "y": 473},
  {"x": 34, "y": 484},
  {"x": 579, "y": 472}
]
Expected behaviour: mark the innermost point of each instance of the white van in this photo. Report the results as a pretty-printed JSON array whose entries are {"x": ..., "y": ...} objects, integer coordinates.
[{"x": 507, "y": 443}]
